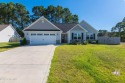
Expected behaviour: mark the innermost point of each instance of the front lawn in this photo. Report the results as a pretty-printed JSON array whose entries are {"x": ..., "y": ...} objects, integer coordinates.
[
  {"x": 88, "y": 64},
  {"x": 7, "y": 46}
]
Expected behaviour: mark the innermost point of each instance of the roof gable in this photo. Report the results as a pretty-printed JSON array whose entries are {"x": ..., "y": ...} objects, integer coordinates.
[
  {"x": 78, "y": 27},
  {"x": 87, "y": 26},
  {"x": 15, "y": 30},
  {"x": 3, "y": 26},
  {"x": 42, "y": 24}
]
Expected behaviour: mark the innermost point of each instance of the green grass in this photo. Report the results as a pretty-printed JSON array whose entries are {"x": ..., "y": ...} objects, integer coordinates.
[
  {"x": 88, "y": 64},
  {"x": 7, "y": 46}
]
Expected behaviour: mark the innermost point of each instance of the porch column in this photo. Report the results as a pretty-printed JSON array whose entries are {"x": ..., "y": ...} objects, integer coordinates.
[
  {"x": 85, "y": 35},
  {"x": 30, "y": 40},
  {"x": 96, "y": 38},
  {"x": 60, "y": 37},
  {"x": 69, "y": 36}
]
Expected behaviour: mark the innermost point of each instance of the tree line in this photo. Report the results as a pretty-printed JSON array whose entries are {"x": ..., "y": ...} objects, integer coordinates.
[
  {"x": 117, "y": 31},
  {"x": 54, "y": 14},
  {"x": 17, "y": 14}
]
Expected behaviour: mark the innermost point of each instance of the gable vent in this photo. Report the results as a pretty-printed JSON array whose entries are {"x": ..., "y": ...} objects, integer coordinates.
[{"x": 42, "y": 20}]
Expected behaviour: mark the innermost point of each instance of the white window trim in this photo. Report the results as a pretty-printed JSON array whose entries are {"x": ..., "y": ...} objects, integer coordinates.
[{"x": 77, "y": 35}]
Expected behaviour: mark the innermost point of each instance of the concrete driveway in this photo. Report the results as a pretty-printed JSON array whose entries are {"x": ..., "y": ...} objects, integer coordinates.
[{"x": 28, "y": 64}]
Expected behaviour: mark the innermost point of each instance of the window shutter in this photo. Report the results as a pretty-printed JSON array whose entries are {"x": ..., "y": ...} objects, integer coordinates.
[
  {"x": 94, "y": 36},
  {"x": 72, "y": 36},
  {"x": 82, "y": 36}
]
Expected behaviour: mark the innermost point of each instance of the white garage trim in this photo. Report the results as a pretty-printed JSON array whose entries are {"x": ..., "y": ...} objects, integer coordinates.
[{"x": 43, "y": 37}]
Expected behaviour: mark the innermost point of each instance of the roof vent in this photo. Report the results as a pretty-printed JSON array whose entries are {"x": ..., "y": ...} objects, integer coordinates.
[{"x": 42, "y": 20}]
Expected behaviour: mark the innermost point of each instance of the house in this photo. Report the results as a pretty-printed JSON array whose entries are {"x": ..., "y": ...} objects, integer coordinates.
[
  {"x": 7, "y": 32},
  {"x": 43, "y": 31}
]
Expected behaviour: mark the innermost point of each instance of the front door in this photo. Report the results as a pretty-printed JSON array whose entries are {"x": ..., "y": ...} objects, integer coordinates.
[{"x": 64, "y": 38}]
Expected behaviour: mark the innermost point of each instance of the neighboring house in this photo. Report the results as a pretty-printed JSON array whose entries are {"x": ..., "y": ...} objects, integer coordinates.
[
  {"x": 43, "y": 31},
  {"x": 7, "y": 32}
]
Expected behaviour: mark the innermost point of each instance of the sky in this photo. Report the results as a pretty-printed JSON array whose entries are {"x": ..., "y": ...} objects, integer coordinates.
[{"x": 101, "y": 14}]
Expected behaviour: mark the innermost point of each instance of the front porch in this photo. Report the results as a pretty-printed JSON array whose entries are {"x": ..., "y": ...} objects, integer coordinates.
[
  {"x": 77, "y": 33},
  {"x": 64, "y": 38},
  {"x": 72, "y": 37}
]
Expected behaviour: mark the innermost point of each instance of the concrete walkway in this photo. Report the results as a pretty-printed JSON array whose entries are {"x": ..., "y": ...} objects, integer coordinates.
[{"x": 28, "y": 64}]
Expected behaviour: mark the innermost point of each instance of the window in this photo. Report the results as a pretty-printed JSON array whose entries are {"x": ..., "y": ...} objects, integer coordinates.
[
  {"x": 46, "y": 34},
  {"x": 33, "y": 34},
  {"x": 52, "y": 34},
  {"x": 75, "y": 36},
  {"x": 87, "y": 37},
  {"x": 91, "y": 37},
  {"x": 79, "y": 36},
  {"x": 39, "y": 34}
]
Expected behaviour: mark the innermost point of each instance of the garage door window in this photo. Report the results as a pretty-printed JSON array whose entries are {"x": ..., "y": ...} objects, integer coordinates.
[
  {"x": 46, "y": 34},
  {"x": 39, "y": 34},
  {"x": 52, "y": 34},
  {"x": 33, "y": 34}
]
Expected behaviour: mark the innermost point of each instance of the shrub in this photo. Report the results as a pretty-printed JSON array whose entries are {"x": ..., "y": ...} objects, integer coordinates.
[
  {"x": 93, "y": 41},
  {"x": 97, "y": 42},
  {"x": 23, "y": 41},
  {"x": 74, "y": 43},
  {"x": 89, "y": 41},
  {"x": 78, "y": 42},
  {"x": 84, "y": 42}
]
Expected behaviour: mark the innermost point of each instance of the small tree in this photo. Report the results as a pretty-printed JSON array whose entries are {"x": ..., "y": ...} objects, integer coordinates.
[
  {"x": 24, "y": 41},
  {"x": 120, "y": 27},
  {"x": 103, "y": 33}
]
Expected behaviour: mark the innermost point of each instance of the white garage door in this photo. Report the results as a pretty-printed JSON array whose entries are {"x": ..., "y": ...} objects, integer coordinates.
[{"x": 43, "y": 39}]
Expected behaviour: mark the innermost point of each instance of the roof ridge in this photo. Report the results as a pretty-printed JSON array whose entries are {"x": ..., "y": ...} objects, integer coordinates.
[{"x": 65, "y": 23}]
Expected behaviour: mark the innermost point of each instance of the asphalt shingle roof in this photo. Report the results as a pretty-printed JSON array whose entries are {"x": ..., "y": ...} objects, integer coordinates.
[
  {"x": 65, "y": 26},
  {"x": 62, "y": 26}
]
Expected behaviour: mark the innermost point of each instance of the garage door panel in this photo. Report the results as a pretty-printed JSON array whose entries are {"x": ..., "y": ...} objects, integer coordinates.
[
  {"x": 44, "y": 39},
  {"x": 36, "y": 40}
]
